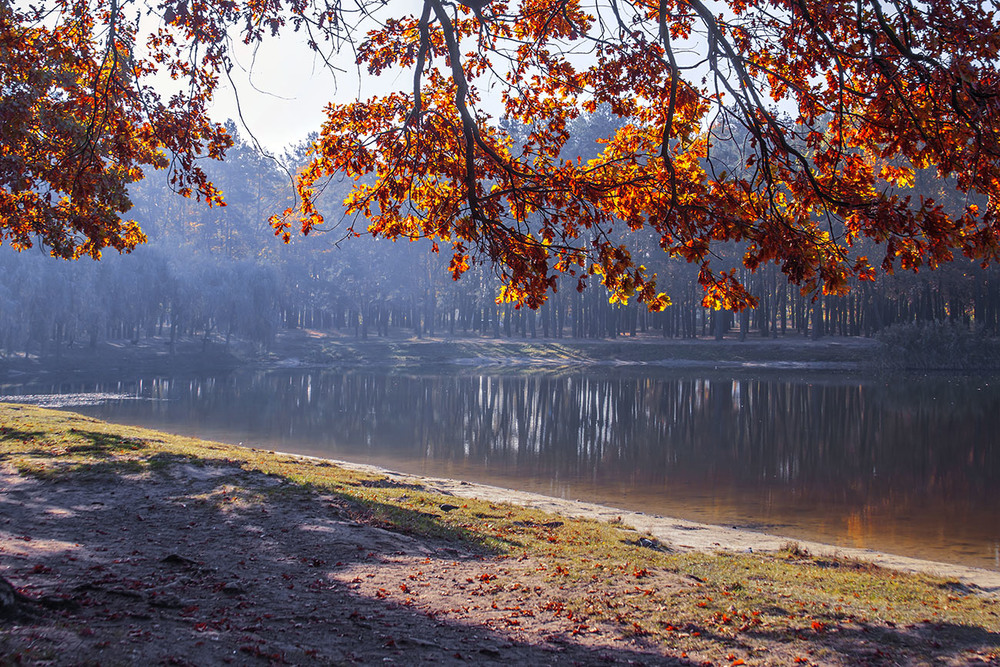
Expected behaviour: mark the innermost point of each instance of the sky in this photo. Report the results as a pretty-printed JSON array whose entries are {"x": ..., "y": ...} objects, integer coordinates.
[
  {"x": 284, "y": 87},
  {"x": 281, "y": 96},
  {"x": 284, "y": 98}
]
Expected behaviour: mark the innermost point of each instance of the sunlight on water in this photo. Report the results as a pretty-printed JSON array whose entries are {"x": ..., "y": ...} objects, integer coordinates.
[{"x": 908, "y": 465}]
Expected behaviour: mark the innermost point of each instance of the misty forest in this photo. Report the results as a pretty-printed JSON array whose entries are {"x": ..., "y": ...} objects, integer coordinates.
[{"x": 220, "y": 275}]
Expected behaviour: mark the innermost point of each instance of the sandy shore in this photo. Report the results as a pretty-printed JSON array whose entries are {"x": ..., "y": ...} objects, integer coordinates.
[
  {"x": 120, "y": 545},
  {"x": 684, "y": 535}
]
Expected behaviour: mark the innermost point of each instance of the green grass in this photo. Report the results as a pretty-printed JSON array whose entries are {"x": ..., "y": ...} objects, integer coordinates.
[{"x": 760, "y": 608}]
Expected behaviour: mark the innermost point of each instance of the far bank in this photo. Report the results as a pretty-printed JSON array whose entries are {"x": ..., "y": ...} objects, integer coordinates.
[{"x": 314, "y": 348}]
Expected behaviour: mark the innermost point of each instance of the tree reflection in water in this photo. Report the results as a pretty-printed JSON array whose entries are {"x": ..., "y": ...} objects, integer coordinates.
[{"x": 907, "y": 464}]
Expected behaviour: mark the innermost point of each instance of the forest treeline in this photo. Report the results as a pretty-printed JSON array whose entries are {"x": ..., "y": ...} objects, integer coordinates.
[{"x": 219, "y": 273}]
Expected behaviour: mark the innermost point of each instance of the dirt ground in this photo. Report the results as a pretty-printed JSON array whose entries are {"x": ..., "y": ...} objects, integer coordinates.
[
  {"x": 206, "y": 564},
  {"x": 179, "y": 567}
]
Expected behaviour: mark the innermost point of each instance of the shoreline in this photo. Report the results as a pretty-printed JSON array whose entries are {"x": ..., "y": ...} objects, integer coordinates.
[
  {"x": 683, "y": 534},
  {"x": 680, "y": 534},
  {"x": 128, "y": 545}
]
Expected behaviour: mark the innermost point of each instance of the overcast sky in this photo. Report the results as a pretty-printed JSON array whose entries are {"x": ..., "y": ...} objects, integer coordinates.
[{"x": 284, "y": 87}]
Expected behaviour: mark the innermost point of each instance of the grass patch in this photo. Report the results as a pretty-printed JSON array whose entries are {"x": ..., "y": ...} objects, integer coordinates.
[
  {"x": 17, "y": 435},
  {"x": 105, "y": 443},
  {"x": 759, "y": 608}
]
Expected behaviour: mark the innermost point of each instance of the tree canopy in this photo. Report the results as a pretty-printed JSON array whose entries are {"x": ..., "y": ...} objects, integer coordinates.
[{"x": 790, "y": 130}]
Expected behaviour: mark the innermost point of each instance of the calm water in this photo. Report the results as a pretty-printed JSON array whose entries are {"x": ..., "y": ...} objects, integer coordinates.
[{"x": 909, "y": 465}]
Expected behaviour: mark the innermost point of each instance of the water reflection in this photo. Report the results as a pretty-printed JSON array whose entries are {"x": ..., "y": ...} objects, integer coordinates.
[{"x": 910, "y": 465}]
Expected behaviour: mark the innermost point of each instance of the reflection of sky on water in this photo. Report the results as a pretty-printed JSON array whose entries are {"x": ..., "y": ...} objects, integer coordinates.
[
  {"x": 909, "y": 465},
  {"x": 67, "y": 400}
]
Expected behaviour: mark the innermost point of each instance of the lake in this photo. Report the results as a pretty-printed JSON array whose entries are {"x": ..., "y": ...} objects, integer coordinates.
[{"x": 905, "y": 464}]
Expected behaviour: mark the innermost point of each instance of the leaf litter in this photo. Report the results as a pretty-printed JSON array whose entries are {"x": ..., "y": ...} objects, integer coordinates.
[{"x": 197, "y": 553}]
